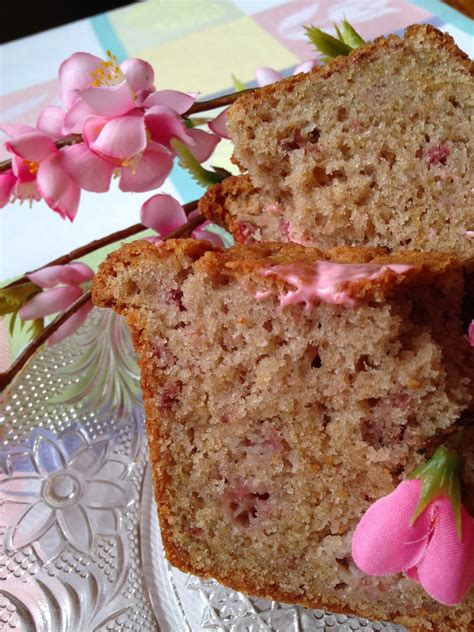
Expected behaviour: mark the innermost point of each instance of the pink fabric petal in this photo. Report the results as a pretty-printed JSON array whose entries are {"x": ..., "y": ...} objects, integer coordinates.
[
  {"x": 7, "y": 182},
  {"x": 154, "y": 167},
  {"x": 207, "y": 235},
  {"x": 265, "y": 76},
  {"x": 71, "y": 325},
  {"x": 86, "y": 169},
  {"x": 51, "y": 121},
  {"x": 67, "y": 205},
  {"x": 76, "y": 117},
  {"x": 219, "y": 125},
  {"x": 383, "y": 542},
  {"x": 13, "y": 129},
  {"x": 205, "y": 144},
  {"x": 306, "y": 66},
  {"x": 72, "y": 273},
  {"x": 121, "y": 138},
  {"x": 180, "y": 102},
  {"x": 164, "y": 124},
  {"x": 49, "y": 302},
  {"x": 34, "y": 146},
  {"x": 56, "y": 187},
  {"x": 163, "y": 213},
  {"x": 21, "y": 169},
  {"x": 75, "y": 74},
  {"x": 138, "y": 73},
  {"x": 446, "y": 571},
  {"x": 109, "y": 101},
  {"x": 52, "y": 180},
  {"x": 26, "y": 191}
]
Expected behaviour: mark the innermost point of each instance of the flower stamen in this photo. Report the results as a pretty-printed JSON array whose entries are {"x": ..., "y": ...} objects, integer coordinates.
[{"x": 108, "y": 74}]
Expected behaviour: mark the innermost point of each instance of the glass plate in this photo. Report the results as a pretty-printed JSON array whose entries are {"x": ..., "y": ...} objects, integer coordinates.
[{"x": 80, "y": 546}]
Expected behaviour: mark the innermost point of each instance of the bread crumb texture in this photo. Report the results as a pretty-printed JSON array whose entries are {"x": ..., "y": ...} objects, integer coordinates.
[
  {"x": 373, "y": 149},
  {"x": 272, "y": 430}
]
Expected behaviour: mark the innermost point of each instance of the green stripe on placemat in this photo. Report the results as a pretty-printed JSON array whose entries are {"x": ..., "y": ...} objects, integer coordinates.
[
  {"x": 107, "y": 36},
  {"x": 447, "y": 13}
]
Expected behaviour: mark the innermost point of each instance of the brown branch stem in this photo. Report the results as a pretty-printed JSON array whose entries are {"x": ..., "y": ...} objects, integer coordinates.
[
  {"x": 29, "y": 351},
  {"x": 96, "y": 244},
  {"x": 198, "y": 106}
]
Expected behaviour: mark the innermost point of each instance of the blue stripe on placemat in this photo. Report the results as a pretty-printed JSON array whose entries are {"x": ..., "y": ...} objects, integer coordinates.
[
  {"x": 447, "y": 13},
  {"x": 108, "y": 38},
  {"x": 187, "y": 188}
]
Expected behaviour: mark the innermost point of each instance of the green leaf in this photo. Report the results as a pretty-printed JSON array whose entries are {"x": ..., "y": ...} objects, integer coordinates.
[
  {"x": 350, "y": 36},
  {"x": 36, "y": 327},
  {"x": 326, "y": 44},
  {"x": 339, "y": 34},
  {"x": 196, "y": 121},
  {"x": 12, "y": 298},
  {"x": 11, "y": 324},
  {"x": 440, "y": 477},
  {"x": 238, "y": 85},
  {"x": 202, "y": 176}
]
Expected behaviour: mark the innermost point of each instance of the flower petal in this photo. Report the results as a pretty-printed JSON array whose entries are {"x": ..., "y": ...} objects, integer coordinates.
[
  {"x": 208, "y": 235},
  {"x": 76, "y": 117},
  {"x": 86, "y": 169},
  {"x": 75, "y": 74},
  {"x": 121, "y": 138},
  {"x": 107, "y": 494},
  {"x": 180, "y": 102},
  {"x": 138, "y": 73},
  {"x": 71, "y": 273},
  {"x": 305, "y": 66},
  {"x": 109, "y": 101},
  {"x": 22, "y": 489},
  {"x": 34, "y": 146},
  {"x": 154, "y": 167},
  {"x": 76, "y": 526},
  {"x": 13, "y": 129},
  {"x": 51, "y": 121},
  {"x": 7, "y": 182},
  {"x": 31, "y": 526},
  {"x": 383, "y": 542},
  {"x": 265, "y": 76},
  {"x": 56, "y": 187},
  {"x": 49, "y": 302},
  {"x": 205, "y": 144},
  {"x": 163, "y": 213},
  {"x": 164, "y": 125},
  {"x": 90, "y": 458},
  {"x": 51, "y": 178},
  {"x": 219, "y": 125},
  {"x": 49, "y": 457},
  {"x": 71, "y": 325},
  {"x": 446, "y": 571}
]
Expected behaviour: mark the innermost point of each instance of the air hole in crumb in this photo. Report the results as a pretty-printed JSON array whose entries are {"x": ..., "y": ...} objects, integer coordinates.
[
  {"x": 368, "y": 170},
  {"x": 427, "y": 138},
  {"x": 344, "y": 562},
  {"x": 340, "y": 586},
  {"x": 420, "y": 192},
  {"x": 341, "y": 114},
  {"x": 316, "y": 362},
  {"x": 314, "y": 135},
  {"x": 389, "y": 156},
  {"x": 268, "y": 325},
  {"x": 131, "y": 287},
  {"x": 455, "y": 103}
]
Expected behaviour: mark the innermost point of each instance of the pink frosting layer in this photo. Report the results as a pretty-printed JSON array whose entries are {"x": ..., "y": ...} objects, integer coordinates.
[{"x": 322, "y": 281}]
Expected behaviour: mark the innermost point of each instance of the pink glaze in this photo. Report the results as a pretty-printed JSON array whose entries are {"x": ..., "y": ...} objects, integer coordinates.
[
  {"x": 322, "y": 281},
  {"x": 469, "y": 233}
]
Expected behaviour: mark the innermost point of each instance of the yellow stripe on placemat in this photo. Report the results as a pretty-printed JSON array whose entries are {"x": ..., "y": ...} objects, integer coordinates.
[{"x": 204, "y": 61}]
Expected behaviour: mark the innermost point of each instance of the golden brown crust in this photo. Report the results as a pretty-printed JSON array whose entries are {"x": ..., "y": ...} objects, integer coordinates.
[
  {"x": 214, "y": 203},
  {"x": 366, "y": 52},
  {"x": 244, "y": 260}
]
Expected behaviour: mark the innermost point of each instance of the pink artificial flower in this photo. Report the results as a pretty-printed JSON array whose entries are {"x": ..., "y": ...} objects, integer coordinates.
[
  {"x": 429, "y": 550},
  {"x": 37, "y": 166},
  {"x": 7, "y": 185},
  {"x": 164, "y": 214},
  {"x": 63, "y": 285},
  {"x": 470, "y": 334}
]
